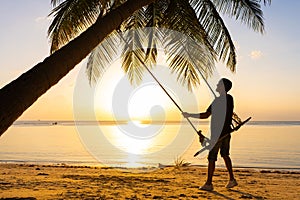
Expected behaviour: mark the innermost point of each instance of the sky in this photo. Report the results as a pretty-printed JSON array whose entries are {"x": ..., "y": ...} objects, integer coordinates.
[{"x": 266, "y": 83}]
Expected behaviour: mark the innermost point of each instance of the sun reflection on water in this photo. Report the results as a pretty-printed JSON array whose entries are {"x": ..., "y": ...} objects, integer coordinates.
[{"x": 139, "y": 146}]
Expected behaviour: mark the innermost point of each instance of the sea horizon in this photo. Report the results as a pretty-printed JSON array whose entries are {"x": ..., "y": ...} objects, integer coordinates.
[
  {"x": 258, "y": 144},
  {"x": 105, "y": 122}
]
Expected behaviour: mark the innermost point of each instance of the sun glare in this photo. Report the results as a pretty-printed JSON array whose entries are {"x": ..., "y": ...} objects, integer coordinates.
[{"x": 147, "y": 103}]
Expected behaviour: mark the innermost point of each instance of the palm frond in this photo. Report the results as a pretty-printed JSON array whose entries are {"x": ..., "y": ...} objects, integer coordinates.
[
  {"x": 267, "y": 2},
  {"x": 71, "y": 17},
  {"x": 247, "y": 11},
  {"x": 133, "y": 55},
  {"x": 56, "y": 2},
  {"x": 133, "y": 46},
  {"x": 151, "y": 49},
  {"x": 103, "y": 56},
  {"x": 189, "y": 59},
  {"x": 218, "y": 34},
  {"x": 189, "y": 48},
  {"x": 180, "y": 16},
  {"x": 154, "y": 14},
  {"x": 134, "y": 52},
  {"x": 135, "y": 21}
]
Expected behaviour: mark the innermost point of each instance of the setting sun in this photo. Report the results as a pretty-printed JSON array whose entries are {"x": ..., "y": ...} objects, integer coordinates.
[{"x": 117, "y": 99}]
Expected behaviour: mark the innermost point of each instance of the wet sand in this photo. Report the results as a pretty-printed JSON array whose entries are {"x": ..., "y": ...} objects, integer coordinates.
[{"x": 25, "y": 181}]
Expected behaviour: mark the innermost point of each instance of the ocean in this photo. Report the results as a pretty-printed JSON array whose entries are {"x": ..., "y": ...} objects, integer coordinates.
[{"x": 258, "y": 144}]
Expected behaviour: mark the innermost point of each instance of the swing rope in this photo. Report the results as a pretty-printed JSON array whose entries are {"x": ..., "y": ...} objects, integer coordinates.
[{"x": 190, "y": 122}]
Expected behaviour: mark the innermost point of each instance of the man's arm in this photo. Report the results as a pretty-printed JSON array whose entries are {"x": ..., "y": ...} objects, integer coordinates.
[{"x": 203, "y": 115}]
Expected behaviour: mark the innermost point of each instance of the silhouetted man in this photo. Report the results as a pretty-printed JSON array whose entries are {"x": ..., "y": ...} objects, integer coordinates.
[{"x": 221, "y": 111}]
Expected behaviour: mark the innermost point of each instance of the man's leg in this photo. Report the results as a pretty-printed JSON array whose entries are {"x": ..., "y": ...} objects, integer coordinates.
[
  {"x": 210, "y": 171},
  {"x": 225, "y": 146},
  {"x": 212, "y": 157},
  {"x": 228, "y": 164}
]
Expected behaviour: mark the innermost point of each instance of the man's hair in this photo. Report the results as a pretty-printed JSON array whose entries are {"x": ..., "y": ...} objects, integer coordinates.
[{"x": 227, "y": 84}]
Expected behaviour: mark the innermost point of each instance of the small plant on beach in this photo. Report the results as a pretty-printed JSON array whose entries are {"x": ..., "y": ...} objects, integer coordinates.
[{"x": 180, "y": 162}]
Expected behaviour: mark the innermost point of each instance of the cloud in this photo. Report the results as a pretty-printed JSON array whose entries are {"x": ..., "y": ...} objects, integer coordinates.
[{"x": 256, "y": 54}]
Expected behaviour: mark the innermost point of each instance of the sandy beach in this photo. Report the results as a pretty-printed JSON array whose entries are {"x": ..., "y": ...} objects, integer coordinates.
[{"x": 24, "y": 181}]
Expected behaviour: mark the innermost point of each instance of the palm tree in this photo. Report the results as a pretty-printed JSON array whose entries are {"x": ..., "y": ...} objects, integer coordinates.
[
  {"x": 80, "y": 25},
  {"x": 22, "y": 92},
  {"x": 198, "y": 19}
]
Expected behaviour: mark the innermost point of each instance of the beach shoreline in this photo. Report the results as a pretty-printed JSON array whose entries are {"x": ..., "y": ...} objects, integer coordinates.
[{"x": 35, "y": 181}]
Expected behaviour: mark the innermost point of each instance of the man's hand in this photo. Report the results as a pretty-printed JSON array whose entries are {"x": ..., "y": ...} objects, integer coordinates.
[
  {"x": 186, "y": 114},
  {"x": 201, "y": 139}
]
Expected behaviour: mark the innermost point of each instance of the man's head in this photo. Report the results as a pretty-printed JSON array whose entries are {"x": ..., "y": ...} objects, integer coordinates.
[{"x": 224, "y": 85}]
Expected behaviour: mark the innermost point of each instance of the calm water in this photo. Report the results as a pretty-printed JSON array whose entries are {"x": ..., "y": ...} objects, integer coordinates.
[{"x": 257, "y": 145}]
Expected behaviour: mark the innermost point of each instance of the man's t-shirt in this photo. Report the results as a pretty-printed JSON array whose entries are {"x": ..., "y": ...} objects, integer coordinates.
[{"x": 221, "y": 111}]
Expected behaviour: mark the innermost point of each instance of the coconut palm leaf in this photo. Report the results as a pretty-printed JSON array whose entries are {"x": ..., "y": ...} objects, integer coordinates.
[
  {"x": 217, "y": 32},
  {"x": 247, "y": 11},
  {"x": 151, "y": 50},
  {"x": 154, "y": 14},
  {"x": 181, "y": 17},
  {"x": 185, "y": 55},
  {"x": 71, "y": 17},
  {"x": 267, "y": 2},
  {"x": 133, "y": 55},
  {"x": 55, "y": 2},
  {"x": 190, "y": 49},
  {"x": 103, "y": 56},
  {"x": 130, "y": 45}
]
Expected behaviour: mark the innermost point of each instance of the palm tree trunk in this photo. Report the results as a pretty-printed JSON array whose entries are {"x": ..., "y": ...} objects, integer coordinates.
[{"x": 21, "y": 93}]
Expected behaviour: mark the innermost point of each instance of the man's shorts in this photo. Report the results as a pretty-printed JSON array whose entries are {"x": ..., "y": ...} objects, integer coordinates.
[{"x": 223, "y": 146}]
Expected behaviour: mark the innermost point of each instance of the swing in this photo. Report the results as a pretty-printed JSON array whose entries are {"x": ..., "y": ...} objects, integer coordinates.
[{"x": 237, "y": 122}]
